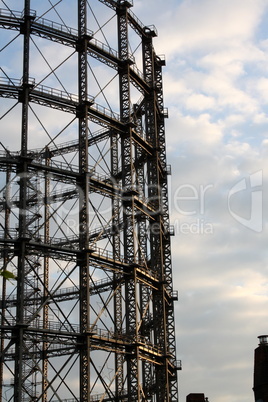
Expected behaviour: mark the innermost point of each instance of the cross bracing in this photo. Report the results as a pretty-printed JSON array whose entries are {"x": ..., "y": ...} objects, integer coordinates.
[{"x": 84, "y": 220}]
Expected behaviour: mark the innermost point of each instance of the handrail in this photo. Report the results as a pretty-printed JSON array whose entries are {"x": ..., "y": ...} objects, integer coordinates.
[
  {"x": 7, "y": 13},
  {"x": 59, "y": 27},
  {"x": 137, "y": 71},
  {"x": 64, "y": 291},
  {"x": 57, "y": 93},
  {"x": 93, "y": 330},
  {"x": 67, "y": 144},
  {"x": 10, "y": 81},
  {"x": 15, "y": 14},
  {"x": 138, "y": 21},
  {"x": 50, "y": 325},
  {"x": 64, "y": 165},
  {"x": 105, "y": 47},
  {"x": 72, "y": 242}
]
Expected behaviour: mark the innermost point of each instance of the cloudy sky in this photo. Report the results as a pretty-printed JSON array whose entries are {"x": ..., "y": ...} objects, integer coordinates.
[{"x": 216, "y": 90}]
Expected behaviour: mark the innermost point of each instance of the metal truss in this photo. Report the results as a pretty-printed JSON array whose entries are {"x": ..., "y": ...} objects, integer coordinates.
[{"x": 84, "y": 220}]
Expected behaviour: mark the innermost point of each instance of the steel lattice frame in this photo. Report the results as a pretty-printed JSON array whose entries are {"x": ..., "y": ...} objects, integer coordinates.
[{"x": 84, "y": 206}]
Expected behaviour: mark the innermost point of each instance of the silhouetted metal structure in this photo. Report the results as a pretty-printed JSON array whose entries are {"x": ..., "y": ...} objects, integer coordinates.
[
  {"x": 260, "y": 378},
  {"x": 196, "y": 398},
  {"x": 84, "y": 206}
]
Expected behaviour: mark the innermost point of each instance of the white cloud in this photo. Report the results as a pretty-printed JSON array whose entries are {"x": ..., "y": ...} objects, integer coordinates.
[
  {"x": 199, "y": 102},
  {"x": 261, "y": 86},
  {"x": 210, "y": 24},
  {"x": 197, "y": 131}
]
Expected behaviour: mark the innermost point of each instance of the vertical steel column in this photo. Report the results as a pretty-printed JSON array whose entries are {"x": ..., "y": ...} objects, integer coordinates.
[
  {"x": 83, "y": 183},
  {"x": 156, "y": 236},
  {"x": 165, "y": 228},
  {"x": 145, "y": 297},
  {"x": 118, "y": 297},
  {"x": 46, "y": 282},
  {"x": 5, "y": 263},
  {"x": 115, "y": 199},
  {"x": 128, "y": 201},
  {"x": 19, "y": 389}
]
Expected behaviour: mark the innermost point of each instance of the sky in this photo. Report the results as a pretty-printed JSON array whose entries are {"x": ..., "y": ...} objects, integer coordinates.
[
  {"x": 215, "y": 88},
  {"x": 216, "y": 91}
]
